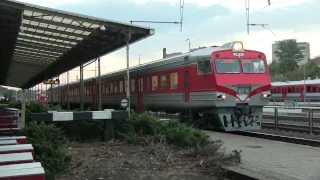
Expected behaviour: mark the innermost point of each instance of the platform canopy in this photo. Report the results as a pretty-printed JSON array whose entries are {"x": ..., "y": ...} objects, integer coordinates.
[{"x": 39, "y": 43}]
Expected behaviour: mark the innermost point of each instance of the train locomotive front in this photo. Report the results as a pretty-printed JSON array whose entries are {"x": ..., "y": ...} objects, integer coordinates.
[{"x": 242, "y": 88}]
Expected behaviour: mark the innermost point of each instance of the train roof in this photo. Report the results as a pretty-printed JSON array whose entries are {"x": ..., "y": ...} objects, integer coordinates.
[
  {"x": 294, "y": 83},
  {"x": 197, "y": 53}
]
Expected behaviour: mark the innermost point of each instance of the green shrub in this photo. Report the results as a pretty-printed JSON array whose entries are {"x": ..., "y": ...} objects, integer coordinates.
[
  {"x": 174, "y": 132},
  {"x": 46, "y": 141},
  {"x": 39, "y": 133},
  {"x": 82, "y": 130},
  {"x": 15, "y": 104},
  {"x": 185, "y": 136},
  {"x": 37, "y": 107}
]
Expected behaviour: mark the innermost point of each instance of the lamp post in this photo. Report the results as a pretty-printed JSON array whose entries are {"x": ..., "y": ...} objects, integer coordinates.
[{"x": 304, "y": 78}]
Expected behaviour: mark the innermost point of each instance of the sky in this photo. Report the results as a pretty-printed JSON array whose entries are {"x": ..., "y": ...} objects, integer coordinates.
[{"x": 206, "y": 23}]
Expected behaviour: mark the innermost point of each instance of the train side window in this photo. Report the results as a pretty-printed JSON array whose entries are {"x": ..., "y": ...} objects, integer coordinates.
[
  {"x": 141, "y": 85},
  {"x": 174, "y": 80},
  {"x": 318, "y": 88},
  {"x": 164, "y": 82},
  {"x": 133, "y": 85},
  {"x": 308, "y": 88},
  {"x": 121, "y": 87},
  {"x": 314, "y": 89},
  {"x": 116, "y": 87},
  {"x": 111, "y": 87},
  {"x": 107, "y": 88},
  {"x": 297, "y": 90},
  {"x": 154, "y": 83},
  {"x": 204, "y": 66},
  {"x": 289, "y": 90}
]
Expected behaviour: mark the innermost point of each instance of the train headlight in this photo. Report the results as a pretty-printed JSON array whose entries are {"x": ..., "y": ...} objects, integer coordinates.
[
  {"x": 266, "y": 95},
  {"x": 237, "y": 46},
  {"x": 222, "y": 96}
]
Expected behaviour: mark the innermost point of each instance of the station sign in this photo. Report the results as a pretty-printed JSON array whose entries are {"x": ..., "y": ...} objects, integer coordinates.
[{"x": 51, "y": 81}]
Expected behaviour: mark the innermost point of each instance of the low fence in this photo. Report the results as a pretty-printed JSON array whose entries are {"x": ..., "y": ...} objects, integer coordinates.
[
  {"x": 309, "y": 117},
  {"x": 108, "y": 116}
]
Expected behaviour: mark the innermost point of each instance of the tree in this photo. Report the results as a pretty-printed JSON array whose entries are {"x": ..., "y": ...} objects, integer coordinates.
[
  {"x": 288, "y": 49},
  {"x": 273, "y": 67},
  {"x": 287, "y": 65}
]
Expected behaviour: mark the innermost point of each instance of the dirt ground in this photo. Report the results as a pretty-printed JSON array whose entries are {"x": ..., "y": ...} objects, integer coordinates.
[{"x": 121, "y": 161}]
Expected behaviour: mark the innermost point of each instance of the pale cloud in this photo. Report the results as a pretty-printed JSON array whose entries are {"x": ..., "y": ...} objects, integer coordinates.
[
  {"x": 211, "y": 26},
  {"x": 233, "y": 4}
]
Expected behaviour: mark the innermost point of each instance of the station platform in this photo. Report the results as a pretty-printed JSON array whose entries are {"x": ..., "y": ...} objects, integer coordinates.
[{"x": 272, "y": 160}]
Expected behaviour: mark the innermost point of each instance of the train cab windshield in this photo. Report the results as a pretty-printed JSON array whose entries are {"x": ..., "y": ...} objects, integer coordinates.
[
  {"x": 253, "y": 66},
  {"x": 227, "y": 66}
]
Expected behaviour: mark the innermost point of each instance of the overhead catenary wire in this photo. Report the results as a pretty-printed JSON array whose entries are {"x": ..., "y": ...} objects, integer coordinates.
[
  {"x": 281, "y": 20},
  {"x": 197, "y": 38},
  {"x": 143, "y": 7}
]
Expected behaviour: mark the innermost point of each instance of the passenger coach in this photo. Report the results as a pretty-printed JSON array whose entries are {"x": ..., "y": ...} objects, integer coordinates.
[
  {"x": 224, "y": 87},
  {"x": 294, "y": 90}
]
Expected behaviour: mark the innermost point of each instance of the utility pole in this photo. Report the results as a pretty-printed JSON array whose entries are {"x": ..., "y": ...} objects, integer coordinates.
[
  {"x": 248, "y": 15},
  {"x": 68, "y": 92},
  {"x": 181, "y": 13},
  {"x": 128, "y": 75},
  {"x": 81, "y": 88},
  {"x": 99, "y": 85},
  {"x": 189, "y": 44}
]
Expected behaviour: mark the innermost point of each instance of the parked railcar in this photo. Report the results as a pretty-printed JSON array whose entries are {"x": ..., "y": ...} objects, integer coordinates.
[
  {"x": 224, "y": 86},
  {"x": 294, "y": 90}
]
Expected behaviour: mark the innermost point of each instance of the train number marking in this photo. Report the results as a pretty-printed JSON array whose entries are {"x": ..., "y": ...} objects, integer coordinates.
[{"x": 238, "y": 54}]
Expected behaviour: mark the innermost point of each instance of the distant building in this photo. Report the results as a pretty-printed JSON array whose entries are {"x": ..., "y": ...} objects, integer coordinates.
[
  {"x": 165, "y": 55},
  {"x": 303, "y": 46},
  {"x": 317, "y": 61}
]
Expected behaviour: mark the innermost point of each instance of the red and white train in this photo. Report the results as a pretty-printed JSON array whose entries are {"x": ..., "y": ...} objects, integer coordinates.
[
  {"x": 224, "y": 86},
  {"x": 42, "y": 96},
  {"x": 294, "y": 90}
]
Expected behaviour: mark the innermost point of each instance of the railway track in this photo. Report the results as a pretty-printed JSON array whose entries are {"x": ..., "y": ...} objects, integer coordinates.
[
  {"x": 270, "y": 125},
  {"x": 292, "y": 127}
]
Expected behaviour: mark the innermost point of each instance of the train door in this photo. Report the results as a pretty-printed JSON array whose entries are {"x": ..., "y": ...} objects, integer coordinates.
[
  {"x": 140, "y": 95},
  {"x": 301, "y": 93},
  {"x": 186, "y": 85},
  {"x": 284, "y": 92}
]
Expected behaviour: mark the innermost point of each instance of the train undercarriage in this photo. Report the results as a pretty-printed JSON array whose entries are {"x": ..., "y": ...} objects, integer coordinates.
[{"x": 241, "y": 117}]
